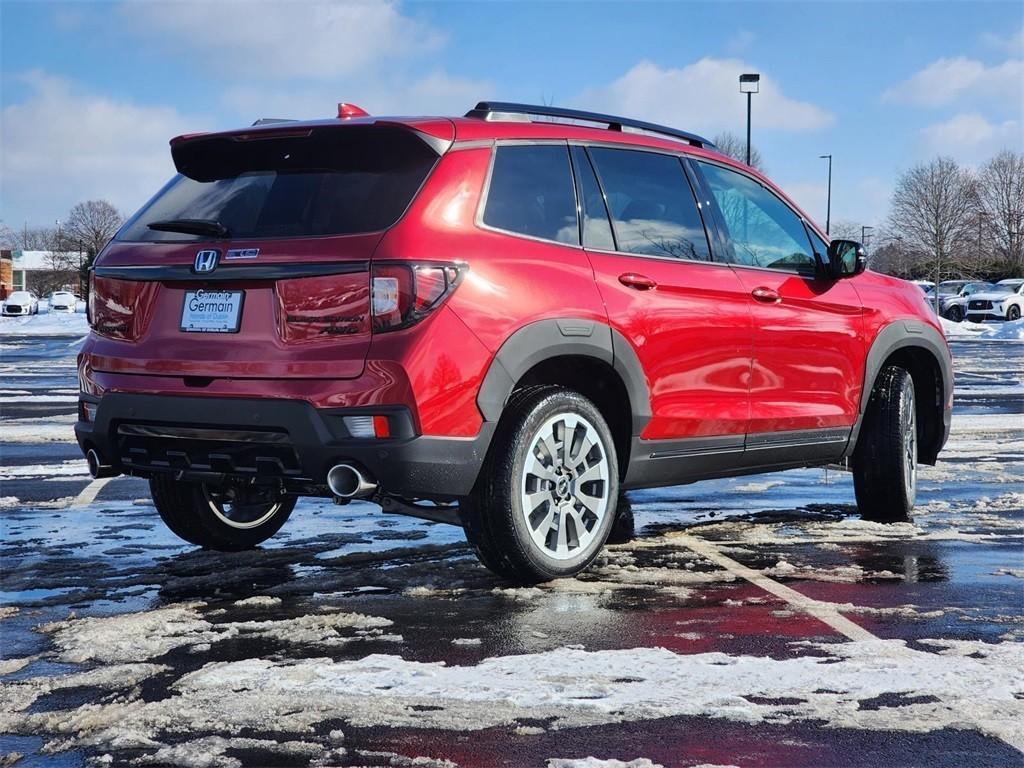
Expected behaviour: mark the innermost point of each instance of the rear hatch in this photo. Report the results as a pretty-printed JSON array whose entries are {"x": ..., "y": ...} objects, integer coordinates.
[{"x": 254, "y": 262}]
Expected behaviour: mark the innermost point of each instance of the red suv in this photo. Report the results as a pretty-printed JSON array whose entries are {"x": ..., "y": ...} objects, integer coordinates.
[{"x": 497, "y": 321}]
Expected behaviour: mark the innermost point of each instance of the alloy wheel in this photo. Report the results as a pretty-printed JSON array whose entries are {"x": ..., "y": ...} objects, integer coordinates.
[{"x": 564, "y": 486}]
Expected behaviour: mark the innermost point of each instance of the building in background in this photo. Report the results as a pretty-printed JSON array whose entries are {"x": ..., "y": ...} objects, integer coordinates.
[
  {"x": 6, "y": 274},
  {"x": 46, "y": 271}
]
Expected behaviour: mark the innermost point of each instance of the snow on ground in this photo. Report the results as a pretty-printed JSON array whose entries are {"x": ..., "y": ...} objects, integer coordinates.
[
  {"x": 1008, "y": 331},
  {"x": 953, "y": 684},
  {"x": 45, "y": 324}
]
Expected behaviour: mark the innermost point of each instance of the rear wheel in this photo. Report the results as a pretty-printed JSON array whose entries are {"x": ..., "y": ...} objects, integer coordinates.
[
  {"x": 225, "y": 518},
  {"x": 885, "y": 460},
  {"x": 1013, "y": 313},
  {"x": 546, "y": 498}
]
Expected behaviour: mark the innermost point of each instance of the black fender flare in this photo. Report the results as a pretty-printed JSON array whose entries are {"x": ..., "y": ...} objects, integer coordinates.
[
  {"x": 560, "y": 337},
  {"x": 897, "y": 335}
]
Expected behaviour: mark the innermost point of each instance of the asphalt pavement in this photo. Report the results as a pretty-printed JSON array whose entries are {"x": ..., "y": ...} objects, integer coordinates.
[{"x": 754, "y": 621}]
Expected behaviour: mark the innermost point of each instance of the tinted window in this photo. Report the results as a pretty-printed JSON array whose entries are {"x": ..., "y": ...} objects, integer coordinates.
[
  {"x": 334, "y": 181},
  {"x": 597, "y": 231},
  {"x": 652, "y": 206},
  {"x": 531, "y": 193},
  {"x": 764, "y": 231}
]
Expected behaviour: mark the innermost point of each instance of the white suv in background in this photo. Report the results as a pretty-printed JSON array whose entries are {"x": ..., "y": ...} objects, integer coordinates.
[
  {"x": 62, "y": 301},
  {"x": 1005, "y": 301},
  {"x": 21, "y": 303}
]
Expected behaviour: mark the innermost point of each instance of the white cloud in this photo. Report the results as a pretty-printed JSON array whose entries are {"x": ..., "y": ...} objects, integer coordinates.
[
  {"x": 704, "y": 97},
  {"x": 971, "y": 137},
  {"x": 946, "y": 81},
  {"x": 62, "y": 146},
  {"x": 1012, "y": 43},
  {"x": 436, "y": 93},
  {"x": 283, "y": 39}
]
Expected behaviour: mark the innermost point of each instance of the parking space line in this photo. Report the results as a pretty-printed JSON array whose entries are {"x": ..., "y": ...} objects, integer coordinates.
[
  {"x": 90, "y": 492},
  {"x": 825, "y": 612}
]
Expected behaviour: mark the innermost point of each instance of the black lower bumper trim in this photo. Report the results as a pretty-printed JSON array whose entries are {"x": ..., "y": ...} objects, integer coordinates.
[{"x": 276, "y": 440}]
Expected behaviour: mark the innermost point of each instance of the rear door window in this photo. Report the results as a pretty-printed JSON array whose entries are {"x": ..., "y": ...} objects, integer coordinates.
[
  {"x": 653, "y": 210},
  {"x": 321, "y": 182},
  {"x": 531, "y": 193}
]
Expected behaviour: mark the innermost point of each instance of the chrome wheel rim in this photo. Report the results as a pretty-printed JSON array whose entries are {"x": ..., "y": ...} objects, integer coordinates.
[
  {"x": 909, "y": 443},
  {"x": 238, "y": 514},
  {"x": 564, "y": 486}
]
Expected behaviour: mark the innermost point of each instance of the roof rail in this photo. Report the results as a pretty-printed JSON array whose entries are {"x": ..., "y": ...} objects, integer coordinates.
[
  {"x": 492, "y": 110},
  {"x": 269, "y": 120}
]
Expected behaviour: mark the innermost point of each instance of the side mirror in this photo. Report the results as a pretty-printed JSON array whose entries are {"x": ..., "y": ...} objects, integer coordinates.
[{"x": 846, "y": 258}]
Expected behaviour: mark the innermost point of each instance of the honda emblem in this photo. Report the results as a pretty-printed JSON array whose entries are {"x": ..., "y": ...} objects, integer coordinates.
[{"x": 206, "y": 261}]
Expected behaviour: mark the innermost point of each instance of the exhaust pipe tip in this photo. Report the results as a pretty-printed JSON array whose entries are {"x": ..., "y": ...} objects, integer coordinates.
[
  {"x": 347, "y": 482},
  {"x": 96, "y": 466}
]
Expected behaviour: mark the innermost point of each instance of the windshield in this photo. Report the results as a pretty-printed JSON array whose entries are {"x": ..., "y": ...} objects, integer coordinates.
[
  {"x": 334, "y": 181},
  {"x": 950, "y": 289}
]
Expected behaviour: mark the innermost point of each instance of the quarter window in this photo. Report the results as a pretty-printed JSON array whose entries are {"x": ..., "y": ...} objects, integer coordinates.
[
  {"x": 531, "y": 193},
  {"x": 652, "y": 206},
  {"x": 764, "y": 231}
]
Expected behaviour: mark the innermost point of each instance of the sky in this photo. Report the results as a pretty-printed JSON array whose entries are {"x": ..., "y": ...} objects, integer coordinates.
[{"x": 91, "y": 92}]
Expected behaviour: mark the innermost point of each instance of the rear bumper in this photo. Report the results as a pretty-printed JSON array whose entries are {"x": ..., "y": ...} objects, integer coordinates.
[{"x": 275, "y": 440}]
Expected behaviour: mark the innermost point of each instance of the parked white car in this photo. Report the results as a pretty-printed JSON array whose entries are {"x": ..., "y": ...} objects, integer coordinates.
[
  {"x": 21, "y": 303},
  {"x": 62, "y": 301},
  {"x": 1004, "y": 302},
  {"x": 953, "y": 305}
]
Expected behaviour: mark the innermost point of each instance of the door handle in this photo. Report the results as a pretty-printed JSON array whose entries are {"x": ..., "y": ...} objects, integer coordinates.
[
  {"x": 766, "y": 295},
  {"x": 638, "y": 282}
]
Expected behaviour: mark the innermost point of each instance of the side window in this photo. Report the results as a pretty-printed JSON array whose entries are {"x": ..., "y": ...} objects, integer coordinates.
[
  {"x": 531, "y": 193},
  {"x": 597, "y": 231},
  {"x": 820, "y": 246},
  {"x": 652, "y": 206},
  {"x": 764, "y": 231}
]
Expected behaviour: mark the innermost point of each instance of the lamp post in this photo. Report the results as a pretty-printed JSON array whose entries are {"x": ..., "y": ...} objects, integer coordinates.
[
  {"x": 828, "y": 204},
  {"x": 749, "y": 84},
  {"x": 864, "y": 234}
]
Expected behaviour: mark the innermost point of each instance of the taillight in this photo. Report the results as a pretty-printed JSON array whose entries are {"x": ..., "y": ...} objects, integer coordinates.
[
  {"x": 403, "y": 294},
  {"x": 90, "y": 299}
]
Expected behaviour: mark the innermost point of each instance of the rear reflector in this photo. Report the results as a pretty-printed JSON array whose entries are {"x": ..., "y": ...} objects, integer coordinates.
[{"x": 368, "y": 426}]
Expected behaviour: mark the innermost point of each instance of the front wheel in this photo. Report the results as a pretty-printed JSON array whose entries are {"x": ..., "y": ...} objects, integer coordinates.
[
  {"x": 546, "y": 498},
  {"x": 955, "y": 313},
  {"x": 1013, "y": 313},
  {"x": 885, "y": 460},
  {"x": 224, "y": 518}
]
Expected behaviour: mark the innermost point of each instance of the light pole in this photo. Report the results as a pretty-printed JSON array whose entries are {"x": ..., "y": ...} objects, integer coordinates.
[
  {"x": 749, "y": 84},
  {"x": 828, "y": 205},
  {"x": 864, "y": 234}
]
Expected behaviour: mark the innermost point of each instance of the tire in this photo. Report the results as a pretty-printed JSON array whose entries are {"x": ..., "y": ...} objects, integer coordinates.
[
  {"x": 885, "y": 459},
  {"x": 955, "y": 313},
  {"x": 1013, "y": 312},
  {"x": 204, "y": 516},
  {"x": 527, "y": 466}
]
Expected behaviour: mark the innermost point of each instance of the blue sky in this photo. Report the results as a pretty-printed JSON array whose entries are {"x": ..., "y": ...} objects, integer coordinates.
[{"x": 92, "y": 91}]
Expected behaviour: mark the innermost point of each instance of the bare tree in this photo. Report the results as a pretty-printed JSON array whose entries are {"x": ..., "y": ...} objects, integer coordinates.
[
  {"x": 34, "y": 238},
  {"x": 1001, "y": 198},
  {"x": 932, "y": 209},
  {"x": 91, "y": 224},
  {"x": 8, "y": 239},
  {"x": 846, "y": 230},
  {"x": 730, "y": 144}
]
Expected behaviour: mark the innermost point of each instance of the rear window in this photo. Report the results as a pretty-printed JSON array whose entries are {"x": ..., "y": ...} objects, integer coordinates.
[
  {"x": 531, "y": 193},
  {"x": 319, "y": 182}
]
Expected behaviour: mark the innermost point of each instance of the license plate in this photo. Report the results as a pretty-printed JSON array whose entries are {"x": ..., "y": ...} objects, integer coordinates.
[{"x": 212, "y": 311}]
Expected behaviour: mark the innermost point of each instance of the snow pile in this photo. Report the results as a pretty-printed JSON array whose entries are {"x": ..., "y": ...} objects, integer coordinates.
[
  {"x": 1006, "y": 331},
  {"x": 593, "y": 762},
  {"x": 962, "y": 685},
  {"x": 51, "y": 324}
]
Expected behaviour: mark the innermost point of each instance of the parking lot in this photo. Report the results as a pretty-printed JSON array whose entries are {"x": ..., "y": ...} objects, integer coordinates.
[{"x": 754, "y": 621}]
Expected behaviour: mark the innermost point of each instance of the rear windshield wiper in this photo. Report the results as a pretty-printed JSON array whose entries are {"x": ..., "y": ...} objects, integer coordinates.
[{"x": 207, "y": 227}]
